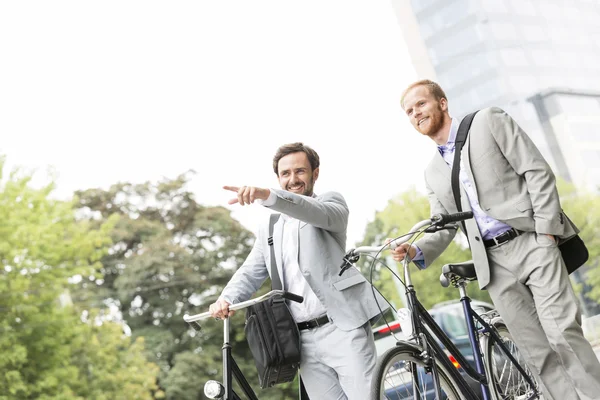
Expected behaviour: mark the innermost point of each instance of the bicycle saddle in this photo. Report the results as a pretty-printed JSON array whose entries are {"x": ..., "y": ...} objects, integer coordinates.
[{"x": 464, "y": 270}]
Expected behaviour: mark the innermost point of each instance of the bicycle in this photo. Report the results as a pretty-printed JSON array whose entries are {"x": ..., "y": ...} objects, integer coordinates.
[
  {"x": 431, "y": 373},
  {"x": 224, "y": 390}
]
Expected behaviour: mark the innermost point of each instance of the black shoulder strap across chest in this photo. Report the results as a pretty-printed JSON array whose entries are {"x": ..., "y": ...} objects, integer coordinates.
[
  {"x": 461, "y": 138},
  {"x": 276, "y": 283}
]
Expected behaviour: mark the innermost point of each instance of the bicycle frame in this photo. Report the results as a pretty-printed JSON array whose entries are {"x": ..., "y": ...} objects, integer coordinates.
[
  {"x": 422, "y": 319},
  {"x": 426, "y": 330},
  {"x": 230, "y": 368}
]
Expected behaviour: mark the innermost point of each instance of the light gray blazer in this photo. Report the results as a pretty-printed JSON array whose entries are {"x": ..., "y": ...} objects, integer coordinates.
[
  {"x": 321, "y": 242},
  {"x": 513, "y": 182}
]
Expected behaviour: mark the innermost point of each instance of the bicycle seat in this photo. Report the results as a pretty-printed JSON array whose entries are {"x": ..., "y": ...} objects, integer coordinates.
[{"x": 464, "y": 270}]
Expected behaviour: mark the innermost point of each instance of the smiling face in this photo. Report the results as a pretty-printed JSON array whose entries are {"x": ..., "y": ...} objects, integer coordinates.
[
  {"x": 426, "y": 113},
  {"x": 296, "y": 175}
]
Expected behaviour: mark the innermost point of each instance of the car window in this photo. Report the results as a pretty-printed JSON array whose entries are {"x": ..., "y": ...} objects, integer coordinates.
[{"x": 454, "y": 324}]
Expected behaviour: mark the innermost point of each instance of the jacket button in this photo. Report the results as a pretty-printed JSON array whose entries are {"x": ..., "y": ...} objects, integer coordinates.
[{"x": 477, "y": 238}]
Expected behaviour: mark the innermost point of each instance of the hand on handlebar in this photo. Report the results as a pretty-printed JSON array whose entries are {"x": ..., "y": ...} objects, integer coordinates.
[
  {"x": 399, "y": 252},
  {"x": 220, "y": 309}
]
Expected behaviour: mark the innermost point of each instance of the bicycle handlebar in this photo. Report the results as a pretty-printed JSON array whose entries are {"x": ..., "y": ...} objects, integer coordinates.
[
  {"x": 438, "y": 220},
  {"x": 443, "y": 219},
  {"x": 435, "y": 223},
  {"x": 238, "y": 306}
]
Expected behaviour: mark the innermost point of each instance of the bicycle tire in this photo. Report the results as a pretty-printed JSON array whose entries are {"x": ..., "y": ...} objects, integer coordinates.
[
  {"x": 505, "y": 381},
  {"x": 405, "y": 356}
]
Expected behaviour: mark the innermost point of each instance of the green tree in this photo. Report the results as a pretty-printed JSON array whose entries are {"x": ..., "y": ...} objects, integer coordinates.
[
  {"x": 583, "y": 208},
  {"x": 400, "y": 214},
  {"x": 48, "y": 351},
  {"x": 171, "y": 256}
]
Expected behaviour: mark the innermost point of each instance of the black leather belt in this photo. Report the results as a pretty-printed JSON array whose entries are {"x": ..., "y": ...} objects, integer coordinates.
[
  {"x": 313, "y": 323},
  {"x": 502, "y": 238}
]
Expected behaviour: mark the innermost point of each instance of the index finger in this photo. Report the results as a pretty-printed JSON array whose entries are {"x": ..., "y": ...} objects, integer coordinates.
[{"x": 231, "y": 188}]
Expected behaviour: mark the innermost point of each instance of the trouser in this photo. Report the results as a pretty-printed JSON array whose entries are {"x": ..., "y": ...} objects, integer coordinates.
[
  {"x": 530, "y": 287},
  {"x": 337, "y": 365}
]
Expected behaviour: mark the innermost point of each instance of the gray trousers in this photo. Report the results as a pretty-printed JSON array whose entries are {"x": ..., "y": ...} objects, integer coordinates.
[
  {"x": 531, "y": 289},
  {"x": 337, "y": 365}
]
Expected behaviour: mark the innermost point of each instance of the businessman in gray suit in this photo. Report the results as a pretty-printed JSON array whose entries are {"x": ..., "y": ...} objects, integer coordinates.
[
  {"x": 337, "y": 348},
  {"x": 518, "y": 221}
]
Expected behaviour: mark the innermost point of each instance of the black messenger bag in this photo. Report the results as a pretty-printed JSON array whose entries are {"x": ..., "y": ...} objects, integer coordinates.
[{"x": 272, "y": 333}]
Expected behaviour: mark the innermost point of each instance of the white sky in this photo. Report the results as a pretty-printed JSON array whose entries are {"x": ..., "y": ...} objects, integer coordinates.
[{"x": 136, "y": 90}]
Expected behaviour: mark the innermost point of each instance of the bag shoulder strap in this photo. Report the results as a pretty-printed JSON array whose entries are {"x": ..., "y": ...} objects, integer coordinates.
[
  {"x": 461, "y": 138},
  {"x": 276, "y": 283}
]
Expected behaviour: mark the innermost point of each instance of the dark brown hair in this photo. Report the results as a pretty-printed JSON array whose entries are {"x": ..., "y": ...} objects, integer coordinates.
[
  {"x": 433, "y": 87},
  {"x": 313, "y": 157}
]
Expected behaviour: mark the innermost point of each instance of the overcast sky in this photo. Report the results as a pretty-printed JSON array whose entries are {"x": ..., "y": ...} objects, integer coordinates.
[{"x": 138, "y": 90}]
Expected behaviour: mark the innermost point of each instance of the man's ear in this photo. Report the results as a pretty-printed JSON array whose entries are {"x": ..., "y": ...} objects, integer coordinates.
[
  {"x": 444, "y": 104},
  {"x": 316, "y": 173}
]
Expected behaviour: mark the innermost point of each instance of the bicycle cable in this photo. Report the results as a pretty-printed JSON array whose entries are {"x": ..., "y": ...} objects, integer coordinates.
[{"x": 371, "y": 268}]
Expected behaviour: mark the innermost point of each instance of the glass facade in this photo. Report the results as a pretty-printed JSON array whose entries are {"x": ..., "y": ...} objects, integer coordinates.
[{"x": 501, "y": 53}]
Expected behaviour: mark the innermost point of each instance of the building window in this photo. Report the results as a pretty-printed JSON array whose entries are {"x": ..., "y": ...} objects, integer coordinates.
[
  {"x": 514, "y": 57},
  {"x": 503, "y": 31},
  {"x": 524, "y": 7},
  {"x": 591, "y": 158},
  {"x": 494, "y": 6}
]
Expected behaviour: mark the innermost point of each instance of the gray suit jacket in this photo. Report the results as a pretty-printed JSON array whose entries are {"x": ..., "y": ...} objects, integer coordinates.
[
  {"x": 514, "y": 185},
  {"x": 321, "y": 242}
]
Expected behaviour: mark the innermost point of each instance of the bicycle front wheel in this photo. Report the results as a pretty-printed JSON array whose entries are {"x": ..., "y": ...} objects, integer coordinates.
[
  {"x": 393, "y": 378},
  {"x": 505, "y": 381}
]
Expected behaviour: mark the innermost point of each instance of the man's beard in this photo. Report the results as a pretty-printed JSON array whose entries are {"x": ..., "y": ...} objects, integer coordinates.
[
  {"x": 436, "y": 122},
  {"x": 308, "y": 188}
]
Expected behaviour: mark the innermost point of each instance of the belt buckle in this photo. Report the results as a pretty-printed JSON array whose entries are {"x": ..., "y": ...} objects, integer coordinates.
[
  {"x": 316, "y": 323},
  {"x": 503, "y": 235}
]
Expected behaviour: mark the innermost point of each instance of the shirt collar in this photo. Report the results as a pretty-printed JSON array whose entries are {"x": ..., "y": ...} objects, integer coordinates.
[{"x": 451, "y": 137}]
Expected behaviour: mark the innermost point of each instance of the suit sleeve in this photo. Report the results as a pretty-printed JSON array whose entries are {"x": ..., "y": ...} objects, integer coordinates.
[
  {"x": 527, "y": 161},
  {"x": 433, "y": 244},
  {"x": 249, "y": 277},
  {"x": 329, "y": 211}
]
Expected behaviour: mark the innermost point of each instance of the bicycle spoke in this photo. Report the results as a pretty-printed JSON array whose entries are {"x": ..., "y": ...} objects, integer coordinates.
[
  {"x": 509, "y": 382},
  {"x": 397, "y": 381}
]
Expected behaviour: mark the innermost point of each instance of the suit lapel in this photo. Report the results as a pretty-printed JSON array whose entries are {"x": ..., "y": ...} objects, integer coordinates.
[
  {"x": 441, "y": 167},
  {"x": 440, "y": 182},
  {"x": 466, "y": 158}
]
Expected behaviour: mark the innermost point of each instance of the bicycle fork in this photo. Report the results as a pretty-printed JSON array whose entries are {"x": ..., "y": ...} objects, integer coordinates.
[{"x": 231, "y": 369}]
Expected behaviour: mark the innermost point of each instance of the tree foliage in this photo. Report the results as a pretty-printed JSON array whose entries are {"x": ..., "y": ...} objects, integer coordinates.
[
  {"x": 48, "y": 350},
  {"x": 583, "y": 208},
  {"x": 171, "y": 256}
]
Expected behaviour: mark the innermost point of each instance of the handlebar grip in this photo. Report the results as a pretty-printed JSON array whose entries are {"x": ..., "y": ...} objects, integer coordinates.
[
  {"x": 293, "y": 297},
  {"x": 443, "y": 219}
]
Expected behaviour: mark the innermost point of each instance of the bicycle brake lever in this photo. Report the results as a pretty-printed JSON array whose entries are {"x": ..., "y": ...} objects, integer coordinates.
[
  {"x": 349, "y": 259},
  {"x": 435, "y": 228}
]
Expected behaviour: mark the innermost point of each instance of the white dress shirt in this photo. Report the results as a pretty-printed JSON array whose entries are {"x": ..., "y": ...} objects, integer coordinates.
[{"x": 293, "y": 280}]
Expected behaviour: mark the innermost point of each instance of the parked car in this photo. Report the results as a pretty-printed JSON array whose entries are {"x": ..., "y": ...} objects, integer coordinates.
[{"x": 449, "y": 316}]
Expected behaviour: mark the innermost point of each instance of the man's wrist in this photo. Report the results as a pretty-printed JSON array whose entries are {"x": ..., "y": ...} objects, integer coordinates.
[
  {"x": 266, "y": 194},
  {"x": 270, "y": 200}
]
